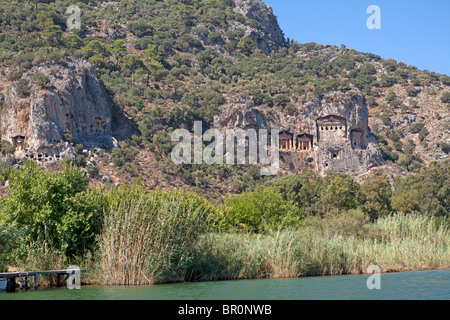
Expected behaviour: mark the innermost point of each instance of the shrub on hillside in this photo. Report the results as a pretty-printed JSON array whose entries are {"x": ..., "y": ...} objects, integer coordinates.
[
  {"x": 41, "y": 79},
  {"x": 445, "y": 98},
  {"x": 120, "y": 156},
  {"x": 23, "y": 88}
]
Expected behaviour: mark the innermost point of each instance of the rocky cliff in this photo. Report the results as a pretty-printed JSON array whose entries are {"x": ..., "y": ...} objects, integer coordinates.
[
  {"x": 271, "y": 36},
  {"x": 223, "y": 62},
  {"x": 324, "y": 134},
  {"x": 72, "y": 106}
]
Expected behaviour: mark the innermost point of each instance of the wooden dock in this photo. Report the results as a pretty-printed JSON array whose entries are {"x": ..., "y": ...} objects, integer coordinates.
[{"x": 24, "y": 277}]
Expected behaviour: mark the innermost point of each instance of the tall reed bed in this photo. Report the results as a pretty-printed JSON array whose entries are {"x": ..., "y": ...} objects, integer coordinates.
[
  {"x": 151, "y": 238},
  {"x": 409, "y": 243},
  {"x": 159, "y": 238}
]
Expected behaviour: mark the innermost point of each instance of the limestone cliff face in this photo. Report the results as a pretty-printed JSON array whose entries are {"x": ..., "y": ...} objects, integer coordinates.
[
  {"x": 339, "y": 127},
  {"x": 73, "y": 104},
  {"x": 327, "y": 133},
  {"x": 269, "y": 38}
]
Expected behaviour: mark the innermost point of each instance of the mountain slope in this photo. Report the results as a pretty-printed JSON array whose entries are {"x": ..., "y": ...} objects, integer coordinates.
[{"x": 165, "y": 64}]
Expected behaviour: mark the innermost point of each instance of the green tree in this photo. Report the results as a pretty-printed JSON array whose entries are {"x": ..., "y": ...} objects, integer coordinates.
[
  {"x": 134, "y": 63},
  {"x": 34, "y": 2},
  {"x": 261, "y": 210},
  {"x": 410, "y": 147},
  {"x": 445, "y": 98},
  {"x": 97, "y": 51},
  {"x": 214, "y": 38},
  {"x": 371, "y": 101},
  {"x": 427, "y": 192},
  {"x": 391, "y": 96},
  {"x": 52, "y": 32},
  {"x": 23, "y": 88},
  {"x": 54, "y": 208},
  {"x": 390, "y": 65},
  {"x": 6, "y": 147},
  {"x": 118, "y": 50},
  {"x": 121, "y": 156},
  {"x": 186, "y": 13},
  {"x": 417, "y": 127},
  {"x": 281, "y": 100},
  {"x": 92, "y": 170},
  {"x": 423, "y": 134},
  {"x": 445, "y": 80},
  {"x": 72, "y": 41},
  {"x": 154, "y": 62},
  {"x": 445, "y": 147},
  {"x": 47, "y": 15},
  {"x": 246, "y": 45},
  {"x": 407, "y": 202},
  {"x": 376, "y": 195},
  {"x": 386, "y": 81},
  {"x": 411, "y": 91},
  {"x": 340, "y": 192},
  {"x": 297, "y": 188},
  {"x": 141, "y": 28},
  {"x": 15, "y": 75},
  {"x": 41, "y": 79}
]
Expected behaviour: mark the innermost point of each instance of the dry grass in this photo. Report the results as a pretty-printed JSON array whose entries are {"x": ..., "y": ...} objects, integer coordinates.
[
  {"x": 150, "y": 239},
  {"x": 158, "y": 239},
  {"x": 409, "y": 243}
]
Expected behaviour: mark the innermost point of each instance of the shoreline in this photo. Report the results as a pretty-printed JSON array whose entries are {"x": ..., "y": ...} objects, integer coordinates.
[
  {"x": 388, "y": 271},
  {"x": 267, "y": 278},
  {"x": 97, "y": 283}
]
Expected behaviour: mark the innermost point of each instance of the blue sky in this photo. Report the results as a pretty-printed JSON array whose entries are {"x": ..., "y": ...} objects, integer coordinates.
[{"x": 416, "y": 32}]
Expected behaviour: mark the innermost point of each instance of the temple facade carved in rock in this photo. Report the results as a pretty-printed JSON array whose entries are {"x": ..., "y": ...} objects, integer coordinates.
[{"x": 331, "y": 133}]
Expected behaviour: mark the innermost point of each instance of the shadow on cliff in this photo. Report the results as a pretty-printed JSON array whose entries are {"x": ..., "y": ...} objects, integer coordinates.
[{"x": 122, "y": 126}]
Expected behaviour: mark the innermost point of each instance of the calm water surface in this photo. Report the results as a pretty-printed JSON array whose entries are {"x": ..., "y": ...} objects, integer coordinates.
[{"x": 405, "y": 285}]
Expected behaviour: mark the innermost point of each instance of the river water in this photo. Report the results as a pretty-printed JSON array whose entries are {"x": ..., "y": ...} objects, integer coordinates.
[{"x": 433, "y": 284}]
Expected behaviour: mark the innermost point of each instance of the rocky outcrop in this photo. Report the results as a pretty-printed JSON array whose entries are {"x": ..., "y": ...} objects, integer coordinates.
[
  {"x": 327, "y": 133},
  {"x": 269, "y": 38},
  {"x": 73, "y": 106},
  {"x": 338, "y": 124}
]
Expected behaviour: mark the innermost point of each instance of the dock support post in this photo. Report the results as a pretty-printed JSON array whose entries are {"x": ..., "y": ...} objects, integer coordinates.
[
  {"x": 36, "y": 281},
  {"x": 12, "y": 284},
  {"x": 58, "y": 280}
]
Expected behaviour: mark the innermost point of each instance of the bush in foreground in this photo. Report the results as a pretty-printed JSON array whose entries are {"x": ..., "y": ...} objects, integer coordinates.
[{"x": 51, "y": 209}]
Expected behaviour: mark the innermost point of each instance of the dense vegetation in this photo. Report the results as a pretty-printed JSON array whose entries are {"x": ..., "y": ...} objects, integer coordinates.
[
  {"x": 167, "y": 63},
  {"x": 50, "y": 219}
]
